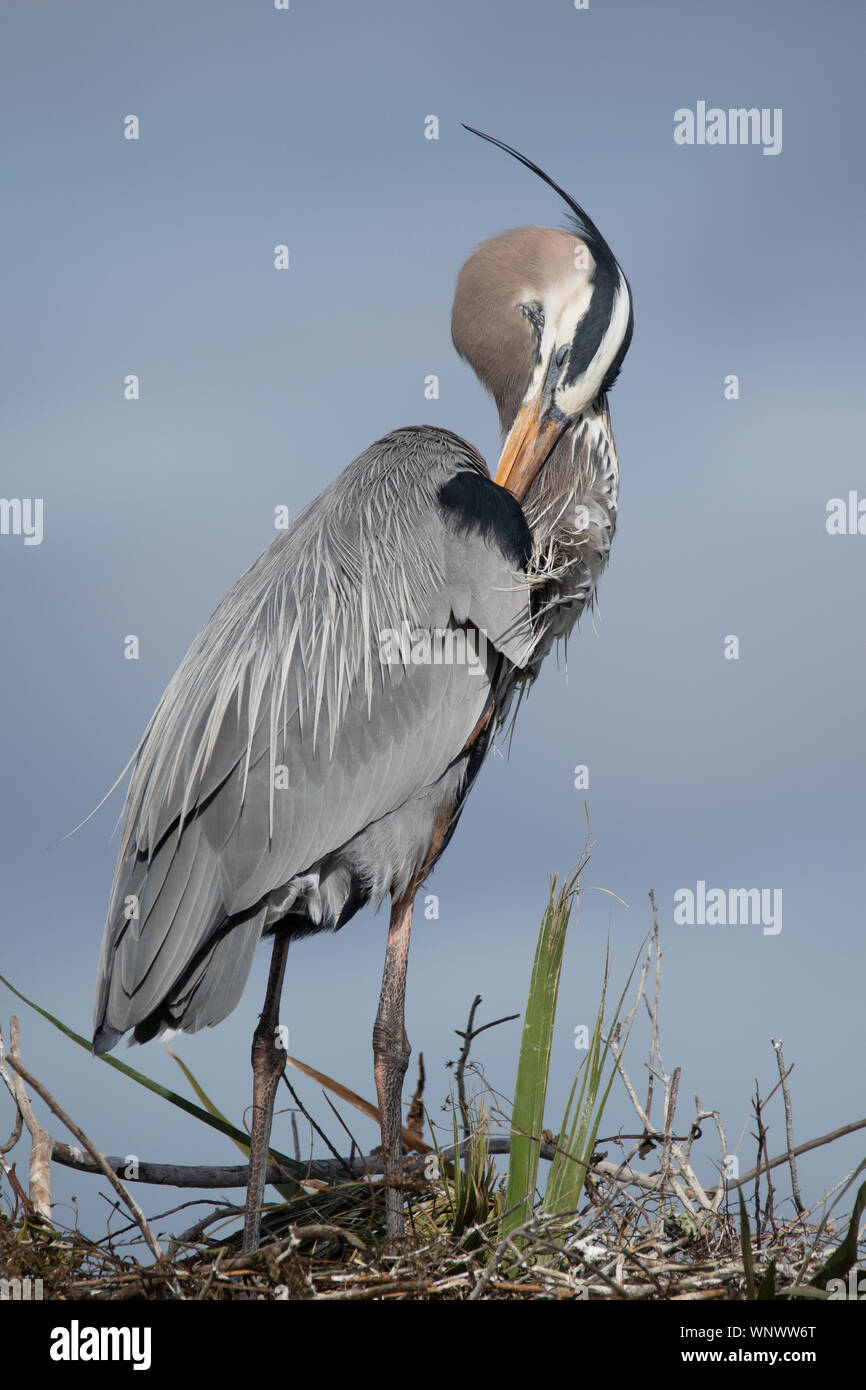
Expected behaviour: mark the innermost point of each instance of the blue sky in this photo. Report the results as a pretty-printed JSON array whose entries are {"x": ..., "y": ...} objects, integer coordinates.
[{"x": 155, "y": 257}]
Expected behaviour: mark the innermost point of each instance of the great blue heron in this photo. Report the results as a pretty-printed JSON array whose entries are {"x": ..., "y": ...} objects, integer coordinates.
[{"x": 317, "y": 744}]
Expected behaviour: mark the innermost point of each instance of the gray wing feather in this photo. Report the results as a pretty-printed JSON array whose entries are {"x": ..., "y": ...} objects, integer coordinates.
[
  {"x": 283, "y": 735},
  {"x": 217, "y": 983}
]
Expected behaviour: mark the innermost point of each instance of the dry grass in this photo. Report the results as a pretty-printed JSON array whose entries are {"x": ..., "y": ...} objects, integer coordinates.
[
  {"x": 621, "y": 1246},
  {"x": 637, "y": 1225}
]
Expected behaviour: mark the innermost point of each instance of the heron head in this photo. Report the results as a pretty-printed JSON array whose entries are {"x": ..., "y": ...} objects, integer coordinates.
[{"x": 544, "y": 316}]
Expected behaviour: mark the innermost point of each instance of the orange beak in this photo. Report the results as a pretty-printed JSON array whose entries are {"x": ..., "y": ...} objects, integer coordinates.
[{"x": 528, "y": 445}]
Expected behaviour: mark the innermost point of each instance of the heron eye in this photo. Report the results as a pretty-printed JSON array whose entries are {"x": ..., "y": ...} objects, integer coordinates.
[{"x": 561, "y": 356}]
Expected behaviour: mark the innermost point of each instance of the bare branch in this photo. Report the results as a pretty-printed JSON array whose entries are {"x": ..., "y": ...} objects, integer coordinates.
[
  {"x": 789, "y": 1126},
  {"x": 101, "y": 1163},
  {"x": 9, "y": 1082},
  {"x": 461, "y": 1069},
  {"x": 40, "y": 1142}
]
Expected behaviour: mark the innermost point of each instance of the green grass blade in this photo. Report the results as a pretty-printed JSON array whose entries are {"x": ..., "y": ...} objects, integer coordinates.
[
  {"x": 746, "y": 1248},
  {"x": 287, "y": 1190},
  {"x": 837, "y": 1265},
  {"x": 205, "y": 1099},
  {"x": 581, "y": 1121},
  {"x": 534, "y": 1063},
  {"x": 215, "y": 1121},
  {"x": 567, "y": 1176},
  {"x": 767, "y": 1287}
]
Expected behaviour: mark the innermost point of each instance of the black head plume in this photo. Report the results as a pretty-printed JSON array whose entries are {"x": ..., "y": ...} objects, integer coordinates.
[{"x": 583, "y": 223}]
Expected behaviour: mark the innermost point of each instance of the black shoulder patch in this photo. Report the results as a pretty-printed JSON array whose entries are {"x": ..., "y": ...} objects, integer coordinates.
[{"x": 476, "y": 504}]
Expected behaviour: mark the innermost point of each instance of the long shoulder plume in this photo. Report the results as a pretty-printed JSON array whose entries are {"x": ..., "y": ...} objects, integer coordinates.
[{"x": 586, "y": 228}]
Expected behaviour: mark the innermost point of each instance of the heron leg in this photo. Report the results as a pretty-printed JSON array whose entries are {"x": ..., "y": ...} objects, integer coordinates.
[
  {"x": 391, "y": 1057},
  {"x": 269, "y": 1060}
]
